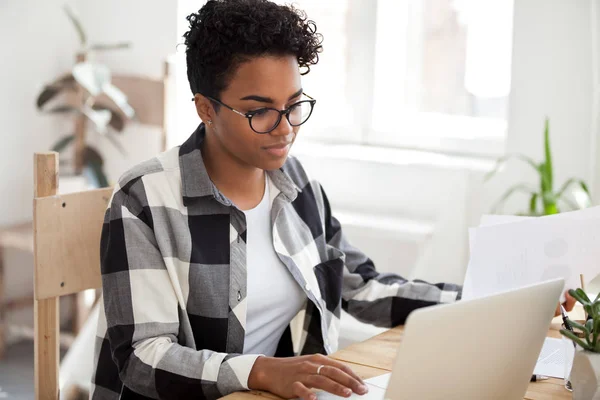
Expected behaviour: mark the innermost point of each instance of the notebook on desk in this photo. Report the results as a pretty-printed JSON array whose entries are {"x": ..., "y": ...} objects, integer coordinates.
[{"x": 482, "y": 347}]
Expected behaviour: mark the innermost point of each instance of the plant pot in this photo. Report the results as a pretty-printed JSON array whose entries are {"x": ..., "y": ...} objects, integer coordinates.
[{"x": 585, "y": 375}]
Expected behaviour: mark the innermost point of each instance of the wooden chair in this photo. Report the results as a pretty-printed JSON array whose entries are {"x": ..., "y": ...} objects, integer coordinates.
[
  {"x": 66, "y": 235},
  {"x": 149, "y": 98}
]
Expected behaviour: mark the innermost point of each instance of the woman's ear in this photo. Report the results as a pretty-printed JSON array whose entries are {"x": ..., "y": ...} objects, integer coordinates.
[{"x": 204, "y": 108}]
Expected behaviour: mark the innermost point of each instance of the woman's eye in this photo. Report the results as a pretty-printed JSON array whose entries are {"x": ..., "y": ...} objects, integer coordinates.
[{"x": 260, "y": 111}]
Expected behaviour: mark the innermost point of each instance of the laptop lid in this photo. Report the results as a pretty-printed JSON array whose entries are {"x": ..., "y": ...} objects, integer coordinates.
[{"x": 483, "y": 347}]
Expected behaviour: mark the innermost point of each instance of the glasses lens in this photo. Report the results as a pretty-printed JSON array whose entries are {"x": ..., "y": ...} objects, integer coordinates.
[
  {"x": 264, "y": 120},
  {"x": 300, "y": 112}
]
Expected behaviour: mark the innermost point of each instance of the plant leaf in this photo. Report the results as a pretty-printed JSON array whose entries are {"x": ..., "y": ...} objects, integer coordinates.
[
  {"x": 533, "y": 204},
  {"x": 119, "y": 98},
  {"x": 502, "y": 160},
  {"x": 544, "y": 179},
  {"x": 596, "y": 308},
  {"x": 97, "y": 172},
  {"x": 548, "y": 154},
  {"x": 589, "y": 325},
  {"x": 577, "y": 325},
  {"x": 116, "y": 119},
  {"x": 93, "y": 77},
  {"x": 93, "y": 160},
  {"x": 520, "y": 187},
  {"x": 77, "y": 24},
  {"x": 571, "y": 181},
  {"x": 111, "y": 46},
  {"x": 584, "y": 187},
  {"x": 583, "y": 295},
  {"x": 574, "y": 338},
  {"x": 92, "y": 156},
  {"x": 577, "y": 296},
  {"x": 551, "y": 209},
  {"x": 580, "y": 296},
  {"x": 596, "y": 332},
  {"x": 62, "y": 143},
  {"x": 100, "y": 118},
  {"x": 63, "y": 109},
  {"x": 50, "y": 91}
]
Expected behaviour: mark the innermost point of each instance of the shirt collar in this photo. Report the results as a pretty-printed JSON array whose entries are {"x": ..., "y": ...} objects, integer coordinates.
[{"x": 195, "y": 180}]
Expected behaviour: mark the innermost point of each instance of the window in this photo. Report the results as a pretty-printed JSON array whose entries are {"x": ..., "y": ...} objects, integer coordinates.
[
  {"x": 429, "y": 74},
  {"x": 442, "y": 74}
]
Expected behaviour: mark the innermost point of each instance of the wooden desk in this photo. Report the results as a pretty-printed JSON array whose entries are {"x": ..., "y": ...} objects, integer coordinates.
[{"x": 375, "y": 357}]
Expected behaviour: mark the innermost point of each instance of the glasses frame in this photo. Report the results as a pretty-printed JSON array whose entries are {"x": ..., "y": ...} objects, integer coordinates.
[{"x": 281, "y": 113}]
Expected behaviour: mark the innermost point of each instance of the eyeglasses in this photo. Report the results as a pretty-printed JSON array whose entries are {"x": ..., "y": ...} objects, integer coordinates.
[{"x": 265, "y": 120}]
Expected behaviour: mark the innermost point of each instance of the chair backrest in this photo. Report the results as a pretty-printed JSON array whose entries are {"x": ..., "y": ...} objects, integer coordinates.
[
  {"x": 148, "y": 97},
  {"x": 66, "y": 230}
]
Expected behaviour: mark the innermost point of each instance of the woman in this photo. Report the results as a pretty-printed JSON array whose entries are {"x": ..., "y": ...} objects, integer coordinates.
[{"x": 223, "y": 268}]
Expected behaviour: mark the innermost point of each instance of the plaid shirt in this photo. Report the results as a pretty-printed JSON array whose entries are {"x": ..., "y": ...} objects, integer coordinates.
[{"x": 173, "y": 260}]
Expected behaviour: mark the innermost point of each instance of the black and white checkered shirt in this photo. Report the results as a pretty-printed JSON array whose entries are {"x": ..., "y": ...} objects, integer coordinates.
[{"x": 173, "y": 259}]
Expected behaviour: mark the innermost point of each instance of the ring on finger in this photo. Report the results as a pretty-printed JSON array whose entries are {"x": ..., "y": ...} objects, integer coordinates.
[{"x": 319, "y": 369}]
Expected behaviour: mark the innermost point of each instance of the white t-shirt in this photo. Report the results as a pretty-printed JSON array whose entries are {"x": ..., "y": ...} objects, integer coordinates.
[{"x": 273, "y": 296}]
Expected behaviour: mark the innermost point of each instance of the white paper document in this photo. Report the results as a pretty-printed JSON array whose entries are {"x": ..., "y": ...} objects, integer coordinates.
[
  {"x": 553, "y": 357},
  {"x": 510, "y": 252}
]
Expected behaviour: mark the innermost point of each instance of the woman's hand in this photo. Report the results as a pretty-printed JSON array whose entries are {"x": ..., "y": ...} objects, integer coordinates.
[
  {"x": 568, "y": 304},
  {"x": 295, "y": 376}
]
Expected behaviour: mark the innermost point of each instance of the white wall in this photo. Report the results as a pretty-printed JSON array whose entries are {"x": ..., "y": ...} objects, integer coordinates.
[{"x": 38, "y": 44}]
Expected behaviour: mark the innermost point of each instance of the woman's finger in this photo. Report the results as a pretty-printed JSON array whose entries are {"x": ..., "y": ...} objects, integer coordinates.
[
  {"x": 334, "y": 363},
  {"x": 339, "y": 375},
  {"x": 303, "y": 392},
  {"x": 327, "y": 384}
]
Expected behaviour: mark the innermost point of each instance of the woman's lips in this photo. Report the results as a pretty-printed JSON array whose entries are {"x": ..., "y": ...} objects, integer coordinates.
[{"x": 279, "y": 150}]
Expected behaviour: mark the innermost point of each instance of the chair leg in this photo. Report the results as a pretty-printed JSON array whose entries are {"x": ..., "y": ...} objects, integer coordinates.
[{"x": 46, "y": 348}]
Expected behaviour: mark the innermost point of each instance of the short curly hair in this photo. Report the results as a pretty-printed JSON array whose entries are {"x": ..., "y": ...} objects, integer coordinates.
[{"x": 225, "y": 33}]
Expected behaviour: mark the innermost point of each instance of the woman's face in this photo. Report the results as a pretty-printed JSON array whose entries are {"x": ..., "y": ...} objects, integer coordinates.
[{"x": 269, "y": 81}]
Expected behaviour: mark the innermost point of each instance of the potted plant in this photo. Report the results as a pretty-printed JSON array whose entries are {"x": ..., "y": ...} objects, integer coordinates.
[
  {"x": 585, "y": 373},
  {"x": 550, "y": 200},
  {"x": 95, "y": 104}
]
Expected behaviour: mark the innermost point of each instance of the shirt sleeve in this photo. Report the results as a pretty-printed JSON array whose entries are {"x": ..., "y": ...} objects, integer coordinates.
[
  {"x": 142, "y": 311},
  {"x": 380, "y": 299}
]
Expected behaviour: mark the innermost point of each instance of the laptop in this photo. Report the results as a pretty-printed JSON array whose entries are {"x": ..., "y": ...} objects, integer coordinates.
[{"x": 474, "y": 349}]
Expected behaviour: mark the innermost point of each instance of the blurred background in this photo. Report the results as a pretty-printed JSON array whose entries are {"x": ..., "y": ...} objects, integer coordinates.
[{"x": 417, "y": 100}]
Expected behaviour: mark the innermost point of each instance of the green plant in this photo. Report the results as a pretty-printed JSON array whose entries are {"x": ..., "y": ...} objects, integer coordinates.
[
  {"x": 591, "y": 329},
  {"x": 545, "y": 193},
  {"x": 89, "y": 97}
]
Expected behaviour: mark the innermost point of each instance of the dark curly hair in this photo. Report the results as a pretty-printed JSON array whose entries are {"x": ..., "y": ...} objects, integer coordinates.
[{"x": 225, "y": 33}]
